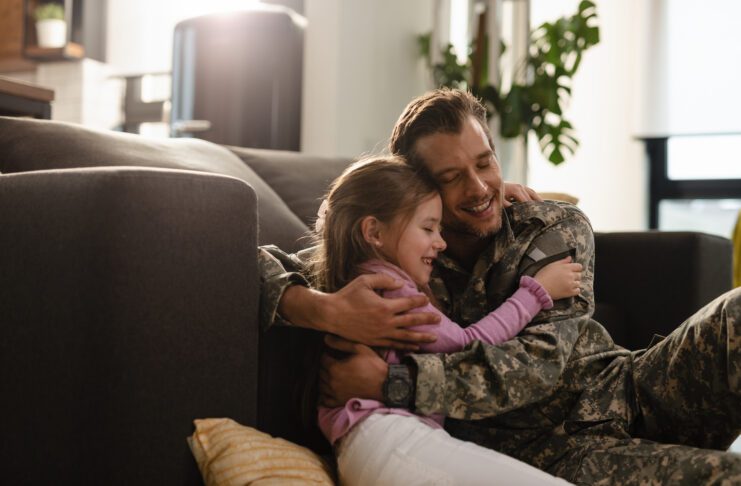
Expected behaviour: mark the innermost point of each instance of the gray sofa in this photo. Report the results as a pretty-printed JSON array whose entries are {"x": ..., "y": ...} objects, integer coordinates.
[{"x": 129, "y": 296}]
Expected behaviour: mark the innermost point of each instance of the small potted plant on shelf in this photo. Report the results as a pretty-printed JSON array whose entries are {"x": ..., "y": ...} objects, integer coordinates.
[{"x": 51, "y": 30}]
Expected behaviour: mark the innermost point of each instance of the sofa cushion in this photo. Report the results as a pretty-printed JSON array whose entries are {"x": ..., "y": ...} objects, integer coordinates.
[
  {"x": 31, "y": 145},
  {"x": 300, "y": 180}
]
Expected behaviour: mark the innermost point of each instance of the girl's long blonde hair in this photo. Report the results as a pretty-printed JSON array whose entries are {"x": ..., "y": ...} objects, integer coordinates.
[{"x": 384, "y": 187}]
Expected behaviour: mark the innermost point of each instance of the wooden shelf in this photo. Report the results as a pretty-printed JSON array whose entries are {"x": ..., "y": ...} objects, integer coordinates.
[
  {"x": 70, "y": 51},
  {"x": 86, "y": 20},
  {"x": 16, "y": 64},
  {"x": 11, "y": 37},
  {"x": 24, "y": 89},
  {"x": 18, "y": 98}
]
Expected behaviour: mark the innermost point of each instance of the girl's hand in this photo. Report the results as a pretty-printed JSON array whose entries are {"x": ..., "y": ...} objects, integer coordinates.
[
  {"x": 514, "y": 192},
  {"x": 560, "y": 279}
]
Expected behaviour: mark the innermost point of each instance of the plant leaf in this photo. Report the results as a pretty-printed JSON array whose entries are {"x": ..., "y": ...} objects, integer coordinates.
[{"x": 554, "y": 55}]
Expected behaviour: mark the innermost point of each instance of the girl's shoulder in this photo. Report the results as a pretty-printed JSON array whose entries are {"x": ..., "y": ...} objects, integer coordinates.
[
  {"x": 386, "y": 268},
  {"x": 377, "y": 265}
]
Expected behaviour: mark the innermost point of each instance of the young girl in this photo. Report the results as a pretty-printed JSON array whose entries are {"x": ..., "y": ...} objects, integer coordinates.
[{"x": 383, "y": 217}]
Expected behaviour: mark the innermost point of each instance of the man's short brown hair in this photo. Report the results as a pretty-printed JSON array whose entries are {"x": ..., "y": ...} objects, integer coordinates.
[{"x": 440, "y": 111}]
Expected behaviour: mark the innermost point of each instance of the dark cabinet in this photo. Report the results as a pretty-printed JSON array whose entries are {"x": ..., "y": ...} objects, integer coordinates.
[{"x": 237, "y": 78}]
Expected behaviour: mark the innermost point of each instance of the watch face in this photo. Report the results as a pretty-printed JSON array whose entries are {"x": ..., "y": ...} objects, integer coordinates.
[{"x": 398, "y": 390}]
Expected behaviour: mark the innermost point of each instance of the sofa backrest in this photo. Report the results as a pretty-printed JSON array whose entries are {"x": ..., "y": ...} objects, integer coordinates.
[
  {"x": 32, "y": 145},
  {"x": 648, "y": 282},
  {"x": 300, "y": 180}
]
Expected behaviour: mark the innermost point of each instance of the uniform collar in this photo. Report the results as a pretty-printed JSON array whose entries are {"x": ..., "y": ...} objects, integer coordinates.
[{"x": 502, "y": 240}]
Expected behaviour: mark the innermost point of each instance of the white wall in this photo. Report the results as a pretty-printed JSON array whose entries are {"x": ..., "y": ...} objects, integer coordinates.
[
  {"x": 608, "y": 172},
  {"x": 703, "y": 70},
  {"x": 360, "y": 71},
  {"x": 84, "y": 91},
  {"x": 139, "y": 32},
  {"x": 694, "y": 69}
]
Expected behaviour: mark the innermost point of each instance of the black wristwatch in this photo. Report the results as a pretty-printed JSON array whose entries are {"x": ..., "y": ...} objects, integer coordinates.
[{"x": 398, "y": 389}]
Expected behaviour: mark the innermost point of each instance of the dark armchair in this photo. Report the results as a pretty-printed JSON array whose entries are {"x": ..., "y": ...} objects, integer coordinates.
[{"x": 648, "y": 282}]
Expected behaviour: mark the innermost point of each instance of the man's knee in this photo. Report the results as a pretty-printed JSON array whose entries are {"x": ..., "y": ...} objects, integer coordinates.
[
  {"x": 732, "y": 322},
  {"x": 733, "y": 303},
  {"x": 643, "y": 462},
  {"x": 721, "y": 313}
]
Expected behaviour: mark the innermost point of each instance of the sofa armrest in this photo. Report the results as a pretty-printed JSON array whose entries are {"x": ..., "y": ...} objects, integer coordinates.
[
  {"x": 128, "y": 299},
  {"x": 648, "y": 283}
]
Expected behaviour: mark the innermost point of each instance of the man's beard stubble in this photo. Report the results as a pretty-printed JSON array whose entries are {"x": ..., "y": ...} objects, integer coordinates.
[{"x": 464, "y": 229}]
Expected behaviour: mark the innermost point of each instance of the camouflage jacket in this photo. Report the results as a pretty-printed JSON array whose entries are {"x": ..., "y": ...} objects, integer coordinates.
[{"x": 535, "y": 379}]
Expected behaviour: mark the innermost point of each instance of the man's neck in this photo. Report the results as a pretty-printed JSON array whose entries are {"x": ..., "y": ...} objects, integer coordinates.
[{"x": 465, "y": 248}]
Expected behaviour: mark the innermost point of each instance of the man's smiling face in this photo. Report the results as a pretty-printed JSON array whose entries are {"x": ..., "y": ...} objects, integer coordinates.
[{"x": 469, "y": 176}]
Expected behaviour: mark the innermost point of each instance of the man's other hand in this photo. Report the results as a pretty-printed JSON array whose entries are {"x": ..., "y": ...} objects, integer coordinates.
[
  {"x": 359, "y": 375},
  {"x": 357, "y": 313}
]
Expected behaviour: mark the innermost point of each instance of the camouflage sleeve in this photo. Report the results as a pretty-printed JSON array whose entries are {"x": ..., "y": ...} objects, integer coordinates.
[
  {"x": 278, "y": 271},
  {"x": 486, "y": 380}
]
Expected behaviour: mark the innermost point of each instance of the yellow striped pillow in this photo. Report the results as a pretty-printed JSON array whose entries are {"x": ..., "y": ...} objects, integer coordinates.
[{"x": 228, "y": 453}]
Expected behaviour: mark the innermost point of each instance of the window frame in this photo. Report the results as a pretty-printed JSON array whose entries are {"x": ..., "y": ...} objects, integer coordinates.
[{"x": 661, "y": 187}]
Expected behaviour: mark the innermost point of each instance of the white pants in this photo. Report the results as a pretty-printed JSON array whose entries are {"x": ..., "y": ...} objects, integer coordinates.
[{"x": 395, "y": 449}]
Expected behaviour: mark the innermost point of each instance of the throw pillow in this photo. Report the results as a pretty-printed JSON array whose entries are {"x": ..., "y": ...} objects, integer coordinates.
[
  {"x": 559, "y": 196},
  {"x": 231, "y": 454}
]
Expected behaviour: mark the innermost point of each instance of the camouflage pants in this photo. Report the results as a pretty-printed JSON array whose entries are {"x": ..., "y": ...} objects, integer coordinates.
[{"x": 663, "y": 415}]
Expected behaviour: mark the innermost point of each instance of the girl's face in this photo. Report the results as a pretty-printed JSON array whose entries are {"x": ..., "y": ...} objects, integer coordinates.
[{"x": 414, "y": 246}]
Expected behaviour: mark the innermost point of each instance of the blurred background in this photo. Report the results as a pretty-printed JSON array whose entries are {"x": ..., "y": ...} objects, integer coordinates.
[{"x": 330, "y": 77}]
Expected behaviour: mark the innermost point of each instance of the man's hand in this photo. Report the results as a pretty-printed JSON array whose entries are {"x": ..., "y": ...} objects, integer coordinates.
[
  {"x": 357, "y": 313},
  {"x": 360, "y": 375},
  {"x": 518, "y": 193}
]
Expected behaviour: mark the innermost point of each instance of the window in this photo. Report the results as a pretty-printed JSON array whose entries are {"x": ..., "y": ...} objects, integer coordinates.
[
  {"x": 695, "y": 183},
  {"x": 704, "y": 157}
]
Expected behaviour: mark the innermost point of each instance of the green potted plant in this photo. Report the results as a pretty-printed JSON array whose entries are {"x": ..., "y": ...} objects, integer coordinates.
[
  {"x": 536, "y": 104},
  {"x": 51, "y": 29}
]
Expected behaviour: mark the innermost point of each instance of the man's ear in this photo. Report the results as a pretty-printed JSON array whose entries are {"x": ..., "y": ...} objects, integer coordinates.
[{"x": 372, "y": 228}]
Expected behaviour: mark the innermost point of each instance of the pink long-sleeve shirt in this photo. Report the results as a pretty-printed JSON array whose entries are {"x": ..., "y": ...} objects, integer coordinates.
[{"x": 500, "y": 325}]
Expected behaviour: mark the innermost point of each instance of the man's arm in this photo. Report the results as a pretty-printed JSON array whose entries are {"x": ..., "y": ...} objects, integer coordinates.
[
  {"x": 278, "y": 272},
  {"x": 355, "y": 312},
  {"x": 484, "y": 380}
]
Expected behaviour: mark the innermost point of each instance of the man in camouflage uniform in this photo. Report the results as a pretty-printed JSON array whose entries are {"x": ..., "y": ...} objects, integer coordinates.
[{"x": 561, "y": 396}]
